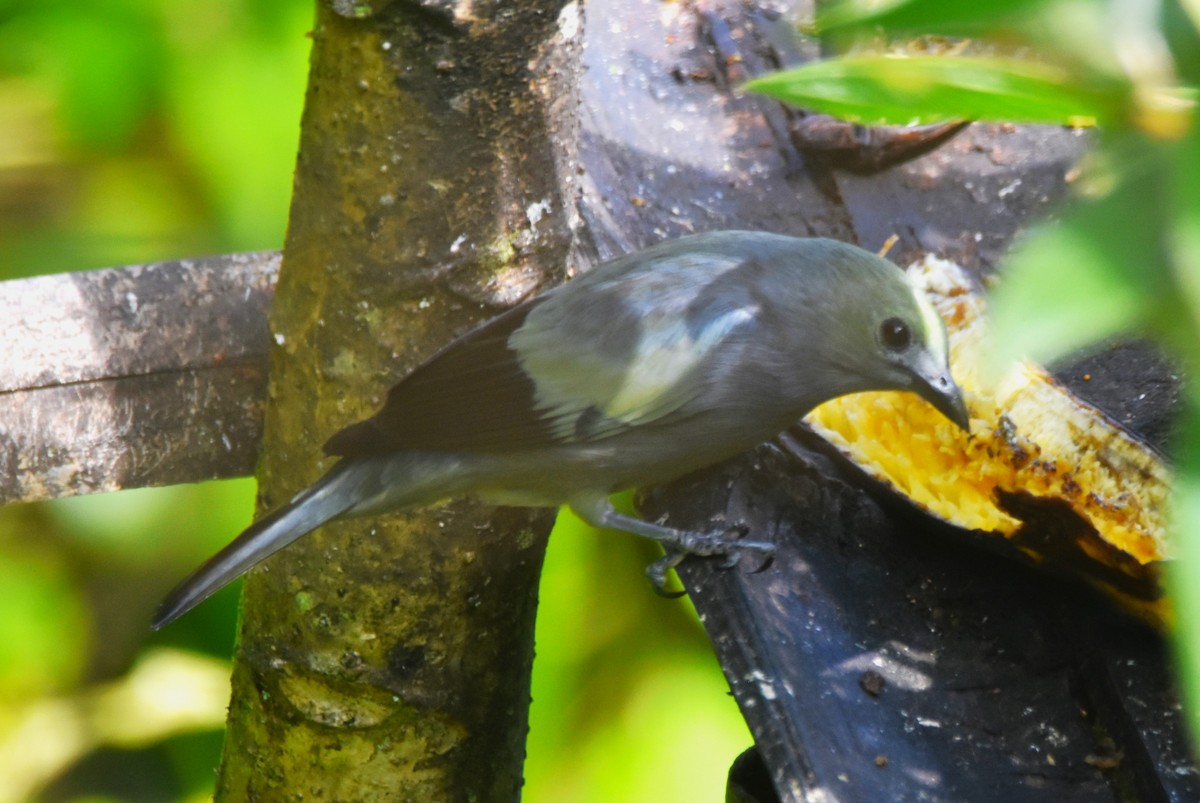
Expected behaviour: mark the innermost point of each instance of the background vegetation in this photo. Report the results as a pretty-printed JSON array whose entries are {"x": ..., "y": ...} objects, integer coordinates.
[{"x": 143, "y": 130}]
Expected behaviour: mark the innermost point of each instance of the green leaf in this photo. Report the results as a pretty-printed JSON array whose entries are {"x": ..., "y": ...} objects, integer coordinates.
[
  {"x": 1183, "y": 572},
  {"x": 1099, "y": 272},
  {"x": 43, "y": 642},
  {"x": 1180, "y": 28},
  {"x": 1184, "y": 239},
  {"x": 899, "y": 90},
  {"x": 217, "y": 84},
  {"x": 925, "y": 16},
  {"x": 101, "y": 60}
]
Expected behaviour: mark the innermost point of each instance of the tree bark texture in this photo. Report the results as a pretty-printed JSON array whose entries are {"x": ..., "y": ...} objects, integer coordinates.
[
  {"x": 388, "y": 659},
  {"x": 133, "y": 376}
]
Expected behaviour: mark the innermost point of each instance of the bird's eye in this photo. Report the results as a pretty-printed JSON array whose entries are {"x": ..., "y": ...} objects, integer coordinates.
[{"x": 895, "y": 334}]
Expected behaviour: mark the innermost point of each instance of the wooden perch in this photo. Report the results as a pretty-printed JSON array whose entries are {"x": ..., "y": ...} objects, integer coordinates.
[{"x": 135, "y": 376}]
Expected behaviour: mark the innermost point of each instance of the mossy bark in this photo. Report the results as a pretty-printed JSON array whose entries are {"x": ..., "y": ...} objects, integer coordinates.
[{"x": 388, "y": 659}]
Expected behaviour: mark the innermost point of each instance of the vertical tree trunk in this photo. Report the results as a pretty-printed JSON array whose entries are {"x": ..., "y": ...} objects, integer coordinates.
[{"x": 388, "y": 659}]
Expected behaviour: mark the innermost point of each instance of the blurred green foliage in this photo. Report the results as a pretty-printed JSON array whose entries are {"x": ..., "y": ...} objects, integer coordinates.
[
  {"x": 880, "y": 88},
  {"x": 144, "y": 130},
  {"x": 1125, "y": 256}
]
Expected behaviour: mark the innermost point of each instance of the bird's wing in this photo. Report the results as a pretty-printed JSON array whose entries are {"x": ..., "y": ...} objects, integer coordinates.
[
  {"x": 471, "y": 393},
  {"x": 608, "y": 352}
]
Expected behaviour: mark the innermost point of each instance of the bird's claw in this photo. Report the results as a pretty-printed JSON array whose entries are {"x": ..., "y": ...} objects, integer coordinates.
[
  {"x": 768, "y": 560},
  {"x": 657, "y": 573},
  {"x": 729, "y": 544}
]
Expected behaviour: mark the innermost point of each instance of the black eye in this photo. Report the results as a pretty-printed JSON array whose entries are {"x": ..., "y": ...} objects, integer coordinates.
[{"x": 895, "y": 334}]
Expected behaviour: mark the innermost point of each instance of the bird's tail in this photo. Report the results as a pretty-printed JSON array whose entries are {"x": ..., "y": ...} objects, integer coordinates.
[{"x": 326, "y": 499}]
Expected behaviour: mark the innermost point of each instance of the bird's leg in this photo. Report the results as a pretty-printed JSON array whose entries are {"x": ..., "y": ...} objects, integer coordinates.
[{"x": 678, "y": 544}]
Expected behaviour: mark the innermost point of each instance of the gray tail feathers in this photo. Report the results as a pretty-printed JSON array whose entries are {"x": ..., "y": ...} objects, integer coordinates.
[{"x": 324, "y": 500}]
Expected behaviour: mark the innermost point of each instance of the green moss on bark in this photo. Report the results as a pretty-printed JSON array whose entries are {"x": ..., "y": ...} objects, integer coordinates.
[{"x": 388, "y": 659}]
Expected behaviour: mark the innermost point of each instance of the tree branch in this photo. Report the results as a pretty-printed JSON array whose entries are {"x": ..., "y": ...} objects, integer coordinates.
[{"x": 135, "y": 376}]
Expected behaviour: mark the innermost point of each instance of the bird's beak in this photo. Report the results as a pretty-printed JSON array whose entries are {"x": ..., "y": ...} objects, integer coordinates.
[
  {"x": 939, "y": 389},
  {"x": 949, "y": 402}
]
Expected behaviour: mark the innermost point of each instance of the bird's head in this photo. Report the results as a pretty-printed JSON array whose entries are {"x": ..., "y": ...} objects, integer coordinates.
[{"x": 884, "y": 332}]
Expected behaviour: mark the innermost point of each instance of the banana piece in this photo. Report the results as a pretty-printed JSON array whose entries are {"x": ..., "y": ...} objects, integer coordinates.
[{"x": 1061, "y": 481}]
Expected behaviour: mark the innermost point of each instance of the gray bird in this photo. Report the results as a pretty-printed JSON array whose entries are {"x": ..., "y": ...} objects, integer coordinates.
[{"x": 637, "y": 372}]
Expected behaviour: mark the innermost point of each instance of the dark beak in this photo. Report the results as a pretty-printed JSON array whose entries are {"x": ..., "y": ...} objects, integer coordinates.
[{"x": 946, "y": 396}]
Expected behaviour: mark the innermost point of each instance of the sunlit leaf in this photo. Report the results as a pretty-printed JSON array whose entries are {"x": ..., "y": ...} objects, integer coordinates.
[
  {"x": 925, "y": 16},
  {"x": 599, "y": 651},
  {"x": 43, "y": 628},
  {"x": 102, "y": 62},
  {"x": 219, "y": 84},
  {"x": 1182, "y": 573},
  {"x": 1184, "y": 242},
  {"x": 1193, "y": 9},
  {"x": 128, "y": 526},
  {"x": 1095, "y": 274},
  {"x": 1181, "y": 29},
  {"x": 1184, "y": 236},
  {"x": 898, "y": 90}
]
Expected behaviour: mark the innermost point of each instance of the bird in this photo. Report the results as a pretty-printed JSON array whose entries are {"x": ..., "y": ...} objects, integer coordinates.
[{"x": 638, "y": 371}]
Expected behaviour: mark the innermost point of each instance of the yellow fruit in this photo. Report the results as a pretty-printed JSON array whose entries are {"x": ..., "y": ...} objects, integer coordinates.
[{"x": 1066, "y": 485}]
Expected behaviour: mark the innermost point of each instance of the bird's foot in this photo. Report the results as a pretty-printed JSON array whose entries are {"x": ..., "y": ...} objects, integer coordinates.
[
  {"x": 677, "y": 544},
  {"x": 728, "y": 543},
  {"x": 656, "y": 572}
]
